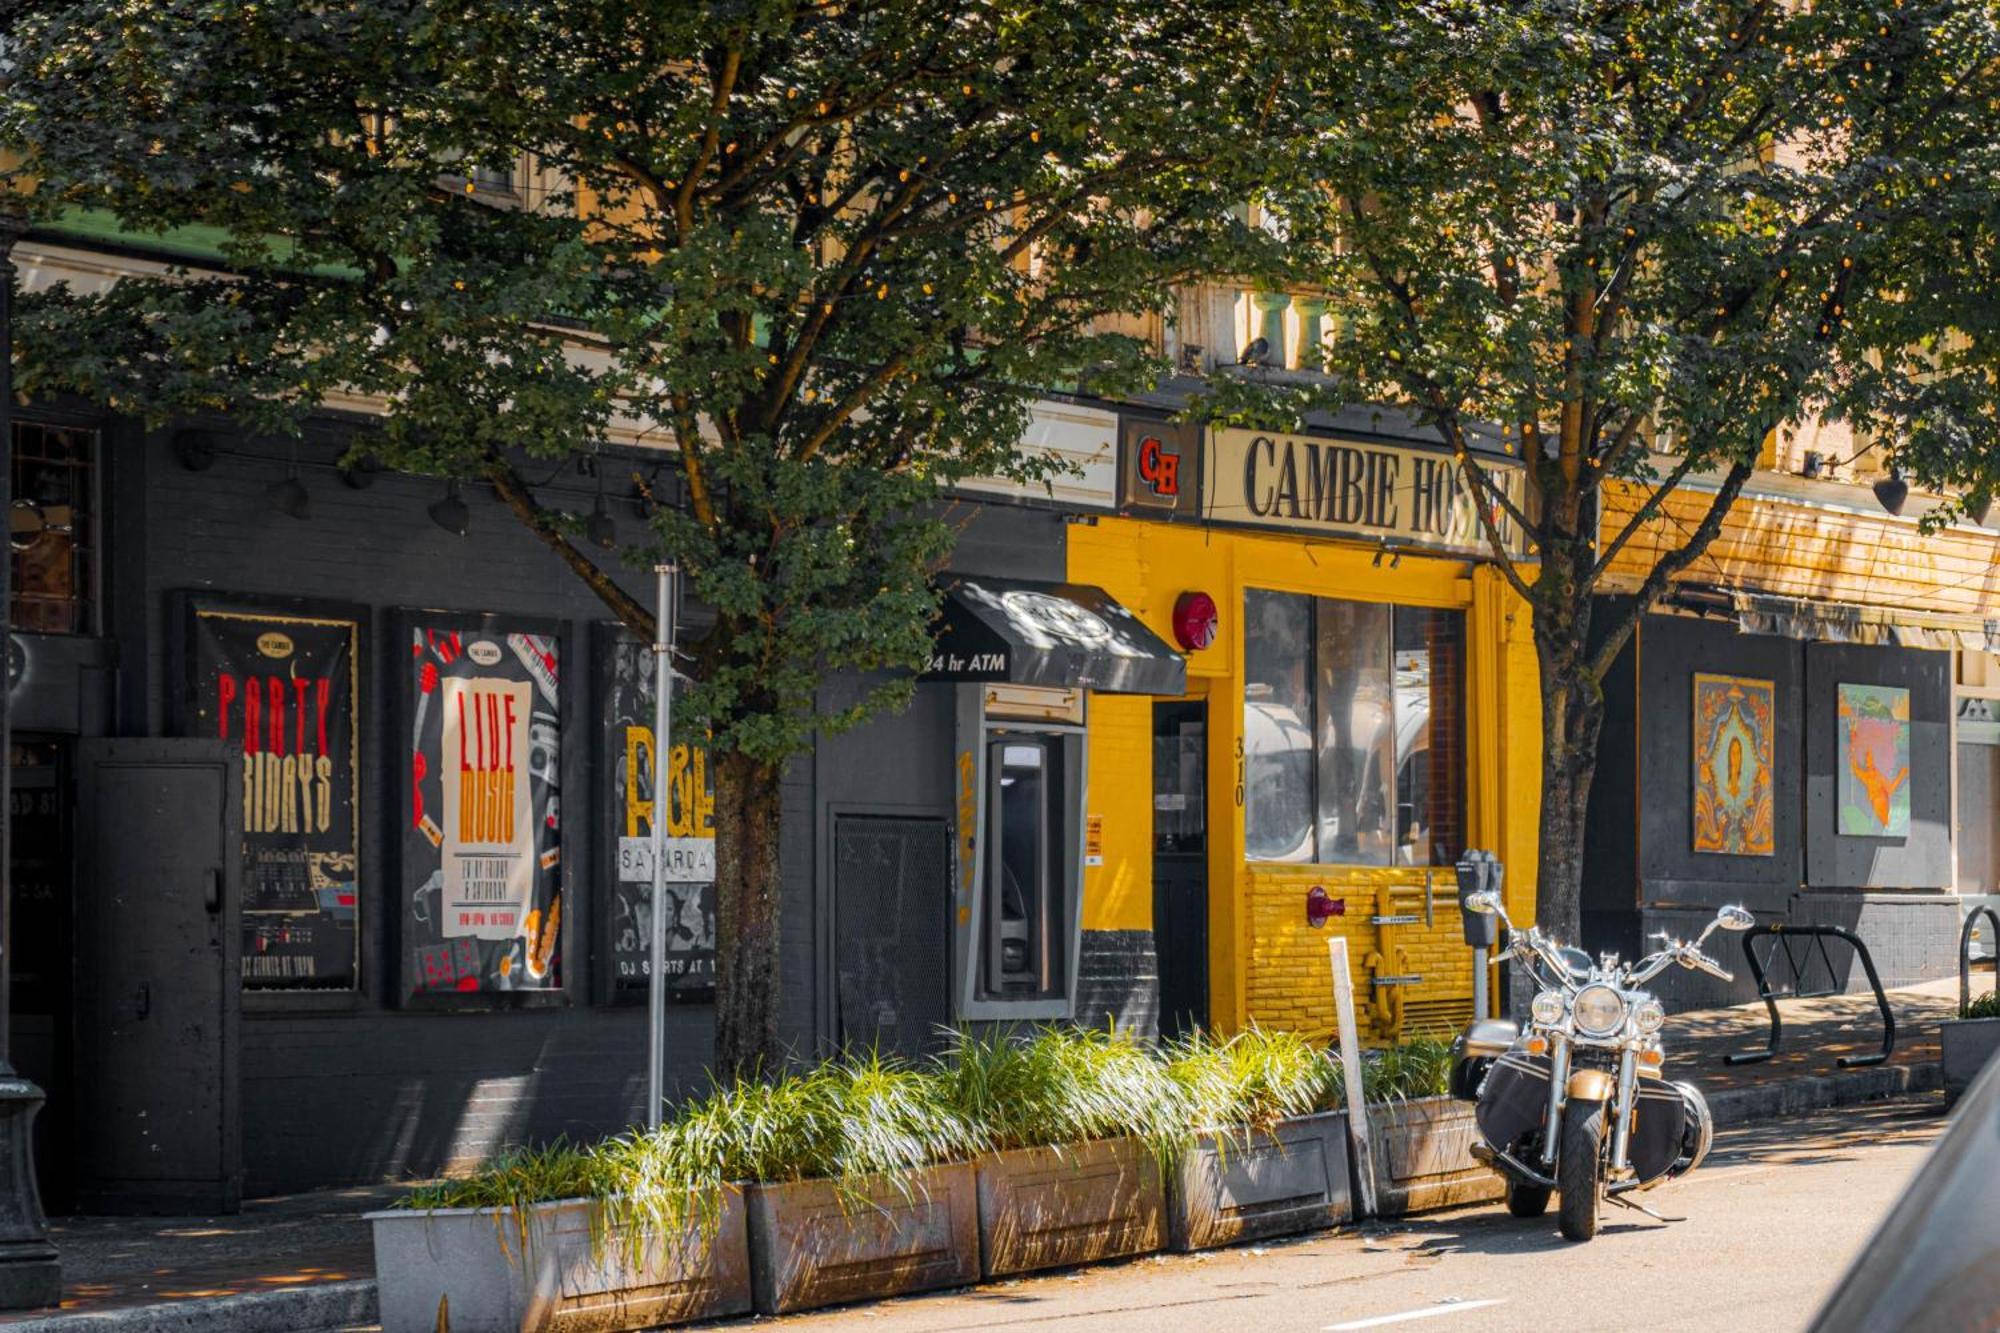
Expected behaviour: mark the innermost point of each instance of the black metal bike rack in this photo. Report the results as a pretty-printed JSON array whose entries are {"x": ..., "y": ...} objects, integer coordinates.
[
  {"x": 1965, "y": 954},
  {"x": 1770, "y": 995}
]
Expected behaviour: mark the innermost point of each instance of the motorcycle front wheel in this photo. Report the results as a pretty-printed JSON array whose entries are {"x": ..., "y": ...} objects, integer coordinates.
[{"x": 1580, "y": 1169}]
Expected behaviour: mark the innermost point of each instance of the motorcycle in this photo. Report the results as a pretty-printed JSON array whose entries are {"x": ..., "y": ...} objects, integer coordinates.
[{"x": 1578, "y": 1105}]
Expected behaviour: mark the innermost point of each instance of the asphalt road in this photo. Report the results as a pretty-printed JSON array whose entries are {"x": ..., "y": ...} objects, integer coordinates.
[{"x": 1757, "y": 1237}]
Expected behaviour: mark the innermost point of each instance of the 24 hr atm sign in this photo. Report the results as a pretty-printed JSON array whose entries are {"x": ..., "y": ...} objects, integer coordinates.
[{"x": 1350, "y": 488}]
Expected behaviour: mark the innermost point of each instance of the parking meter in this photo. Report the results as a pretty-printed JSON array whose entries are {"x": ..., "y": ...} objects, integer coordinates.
[{"x": 1479, "y": 872}]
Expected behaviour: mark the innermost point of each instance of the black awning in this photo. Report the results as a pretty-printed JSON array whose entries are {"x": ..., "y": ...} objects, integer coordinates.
[{"x": 1056, "y": 634}]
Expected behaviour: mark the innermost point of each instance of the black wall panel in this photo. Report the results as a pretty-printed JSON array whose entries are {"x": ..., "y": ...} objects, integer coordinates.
[
  {"x": 1672, "y": 649},
  {"x": 1923, "y": 858}
]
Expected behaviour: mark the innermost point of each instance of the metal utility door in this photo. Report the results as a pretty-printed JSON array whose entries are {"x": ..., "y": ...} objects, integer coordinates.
[
  {"x": 1180, "y": 863},
  {"x": 891, "y": 934},
  {"x": 159, "y": 861}
]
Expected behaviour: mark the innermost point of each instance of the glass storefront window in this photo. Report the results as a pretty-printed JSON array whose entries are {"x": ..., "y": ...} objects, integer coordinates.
[
  {"x": 1353, "y": 731},
  {"x": 51, "y": 529}
]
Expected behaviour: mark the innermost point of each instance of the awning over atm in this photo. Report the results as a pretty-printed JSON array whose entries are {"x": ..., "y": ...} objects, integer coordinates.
[{"x": 1056, "y": 634}]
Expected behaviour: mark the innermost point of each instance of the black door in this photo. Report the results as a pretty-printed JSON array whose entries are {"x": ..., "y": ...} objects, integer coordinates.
[
  {"x": 891, "y": 935},
  {"x": 40, "y": 1016},
  {"x": 1180, "y": 863},
  {"x": 159, "y": 838}
]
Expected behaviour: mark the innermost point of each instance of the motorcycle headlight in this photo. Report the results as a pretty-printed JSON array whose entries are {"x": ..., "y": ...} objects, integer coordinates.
[
  {"x": 1599, "y": 1011},
  {"x": 1649, "y": 1015},
  {"x": 1547, "y": 1008}
]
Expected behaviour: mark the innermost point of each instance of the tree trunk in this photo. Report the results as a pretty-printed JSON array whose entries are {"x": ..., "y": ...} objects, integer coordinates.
[
  {"x": 1572, "y": 718},
  {"x": 748, "y": 804}
]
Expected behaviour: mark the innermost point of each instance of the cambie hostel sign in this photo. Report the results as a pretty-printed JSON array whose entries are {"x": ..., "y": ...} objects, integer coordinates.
[{"x": 1405, "y": 496}]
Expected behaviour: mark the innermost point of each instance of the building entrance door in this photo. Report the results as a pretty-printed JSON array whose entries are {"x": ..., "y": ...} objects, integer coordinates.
[
  {"x": 1180, "y": 863},
  {"x": 160, "y": 855},
  {"x": 40, "y": 1014}
]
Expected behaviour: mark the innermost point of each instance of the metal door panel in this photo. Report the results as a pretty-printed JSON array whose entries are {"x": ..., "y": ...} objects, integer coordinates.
[{"x": 159, "y": 858}]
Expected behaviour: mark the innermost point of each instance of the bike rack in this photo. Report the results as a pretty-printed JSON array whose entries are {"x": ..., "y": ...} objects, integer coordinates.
[
  {"x": 1965, "y": 954},
  {"x": 1770, "y": 995}
]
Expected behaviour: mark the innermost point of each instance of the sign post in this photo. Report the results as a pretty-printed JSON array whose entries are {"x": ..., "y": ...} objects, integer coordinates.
[
  {"x": 1350, "y": 1068},
  {"x": 663, "y": 710}
]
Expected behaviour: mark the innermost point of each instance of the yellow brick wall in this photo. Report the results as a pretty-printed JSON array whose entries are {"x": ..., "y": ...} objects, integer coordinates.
[{"x": 1266, "y": 964}]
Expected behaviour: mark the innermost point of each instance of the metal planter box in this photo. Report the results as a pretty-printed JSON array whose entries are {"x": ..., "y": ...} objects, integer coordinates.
[
  {"x": 1967, "y": 1044},
  {"x": 813, "y": 1243},
  {"x": 1250, "y": 1185},
  {"x": 489, "y": 1269},
  {"x": 1081, "y": 1203},
  {"x": 1422, "y": 1151}
]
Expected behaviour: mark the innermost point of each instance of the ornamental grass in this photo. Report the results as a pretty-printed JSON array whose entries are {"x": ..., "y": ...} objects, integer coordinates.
[{"x": 867, "y": 1116}]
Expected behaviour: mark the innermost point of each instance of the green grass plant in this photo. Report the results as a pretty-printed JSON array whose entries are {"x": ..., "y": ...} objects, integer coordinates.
[
  {"x": 1253, "y": 1079},
  {"x": 1418, "y": 1066},
  {"x": 1986, "y": 1006},
  {"x": 1053, "y": 1085}
]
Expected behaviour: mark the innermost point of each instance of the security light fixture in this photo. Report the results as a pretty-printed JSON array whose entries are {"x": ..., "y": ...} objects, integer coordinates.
[
  {"x": 359, "y": 473},
  {"x": 1811, "y": 467},
  {"x": 1978, "y": 510},
  {"x": 195, "y": 449},
  {"x": 1892, "y": 491},
  {"x": 451, "y": 513},
  {"x": 1258, "y": 353}
]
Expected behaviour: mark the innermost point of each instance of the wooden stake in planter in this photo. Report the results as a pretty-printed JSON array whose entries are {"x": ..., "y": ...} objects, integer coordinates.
[{"x": 1350, "y": 1068}]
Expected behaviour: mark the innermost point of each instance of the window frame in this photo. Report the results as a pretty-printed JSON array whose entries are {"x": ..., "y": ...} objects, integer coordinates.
[{"x": 1317, "y": 856}]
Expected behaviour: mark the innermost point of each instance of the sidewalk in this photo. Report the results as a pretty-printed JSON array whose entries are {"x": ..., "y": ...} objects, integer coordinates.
[{"x": 305, "y": 1263}]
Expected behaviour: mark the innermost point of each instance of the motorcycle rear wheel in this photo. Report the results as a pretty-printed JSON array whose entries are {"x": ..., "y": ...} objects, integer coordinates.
[
  {"x": 1525, "y": 1200},
  {"x": 1580, "y": 1170}
]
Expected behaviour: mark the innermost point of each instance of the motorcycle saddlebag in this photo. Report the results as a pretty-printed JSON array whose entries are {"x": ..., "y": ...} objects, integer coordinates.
[
  {"x": 1514, "y": 1100},
  {"x": 1474, "y": 1052},
  {"x": 1658, "y": 1119}
]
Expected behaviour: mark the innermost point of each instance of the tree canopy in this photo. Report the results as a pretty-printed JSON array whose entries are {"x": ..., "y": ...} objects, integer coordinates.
[
  {"x": 827, "y": 252},
  {"x": 1640, "y": 239}
]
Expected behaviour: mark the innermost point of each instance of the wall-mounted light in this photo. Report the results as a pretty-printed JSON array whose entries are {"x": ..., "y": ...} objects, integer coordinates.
[
  {"x": 599, "y": 528},
  {"x": 1892, "y": 491},
  {"x": 1195, "y": 621},
  {"x": 1979, "y": 509},
  {"x": 195, "y": 450},
  {"x": 1258, "y": 353},
  {"x": 288, "y": 495},
  {"x": 359, "y": 473},
  {"x": 1811, "y": 467},
  {"x": 451, "y": 513}
]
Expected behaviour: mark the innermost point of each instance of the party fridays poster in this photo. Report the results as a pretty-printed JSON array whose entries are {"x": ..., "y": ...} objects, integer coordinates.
[{"x": 483, "y": 839}]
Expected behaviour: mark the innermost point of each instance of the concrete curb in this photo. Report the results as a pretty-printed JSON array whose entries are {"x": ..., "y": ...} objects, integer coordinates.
[
  {"x": 318, "y": 1308},
  {"x": 1795, "y": 1096}
]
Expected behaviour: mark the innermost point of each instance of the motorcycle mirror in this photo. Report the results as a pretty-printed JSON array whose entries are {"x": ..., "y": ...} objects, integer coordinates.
[
  {"x": 1733, "y": 917},
  {"x": 1486, "y": 904}
]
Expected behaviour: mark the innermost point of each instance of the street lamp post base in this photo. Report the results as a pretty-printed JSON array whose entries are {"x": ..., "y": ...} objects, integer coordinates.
[{"x": 30, "y": 1270}]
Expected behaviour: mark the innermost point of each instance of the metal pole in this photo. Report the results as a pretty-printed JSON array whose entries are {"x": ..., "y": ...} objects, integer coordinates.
[
  {"x": 1479, "y": 1009},
  {"x": 663, "y": 712}
]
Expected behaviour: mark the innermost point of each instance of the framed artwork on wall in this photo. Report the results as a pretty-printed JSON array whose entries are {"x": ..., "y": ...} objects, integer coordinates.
[
  {"x": 1734, "y": 750},
  {"x": 481, "y": 819},
  {"x": 1872, "y": 755}
]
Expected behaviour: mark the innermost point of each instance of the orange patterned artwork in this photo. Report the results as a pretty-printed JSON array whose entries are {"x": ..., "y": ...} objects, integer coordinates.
[
  {"x": 1733, "y": 746},
  {"x": 1874, "y": 761}
]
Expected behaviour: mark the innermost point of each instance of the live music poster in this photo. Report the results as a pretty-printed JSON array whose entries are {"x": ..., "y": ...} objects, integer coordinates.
[
  {"x": 282, "y": 685},
  {"x": 482, "y": 837}
]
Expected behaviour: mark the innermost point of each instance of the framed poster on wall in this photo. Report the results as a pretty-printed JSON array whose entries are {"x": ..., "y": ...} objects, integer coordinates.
[
  {"x": 281, "y": 679},
  {"x": 627, "y": 792},
  {"x": 481, "y": 866}
]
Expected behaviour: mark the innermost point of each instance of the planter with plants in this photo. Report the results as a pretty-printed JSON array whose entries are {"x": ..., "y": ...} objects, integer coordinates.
[
  {"x": 1079, "y": 1125},
  {"x": 562, "y": 1238},
  {"x": 1420, "y": 1139},
  {"x": 858, "y": 1185},
  {"x": 1968, "y": 1042},
  {"x": 1267, "y": 1159}
]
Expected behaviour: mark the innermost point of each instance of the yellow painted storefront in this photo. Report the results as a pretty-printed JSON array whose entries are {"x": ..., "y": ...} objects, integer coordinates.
[{"x": 1267, "y": 965}]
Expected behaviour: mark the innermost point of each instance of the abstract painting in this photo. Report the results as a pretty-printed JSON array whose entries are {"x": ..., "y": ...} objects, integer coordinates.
[
  {"x": 1733, "y": 746},
  {"x": 1874, "y": 758}
]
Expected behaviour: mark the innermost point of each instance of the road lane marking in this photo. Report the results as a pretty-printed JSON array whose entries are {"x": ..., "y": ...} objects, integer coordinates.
[{"x": 1428, "y": 1312}]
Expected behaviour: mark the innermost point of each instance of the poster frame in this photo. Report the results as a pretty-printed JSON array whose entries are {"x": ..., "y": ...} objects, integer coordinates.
[
  {"x": 185, "y": 605},
  {"x": 401, "y": 622},
  {"x": 605, "y": 636}
]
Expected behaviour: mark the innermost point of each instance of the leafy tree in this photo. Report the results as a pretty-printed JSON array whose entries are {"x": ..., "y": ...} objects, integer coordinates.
[
  {"x": 1641, "y": 238},
  {"x": 824, "y": 250}
]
